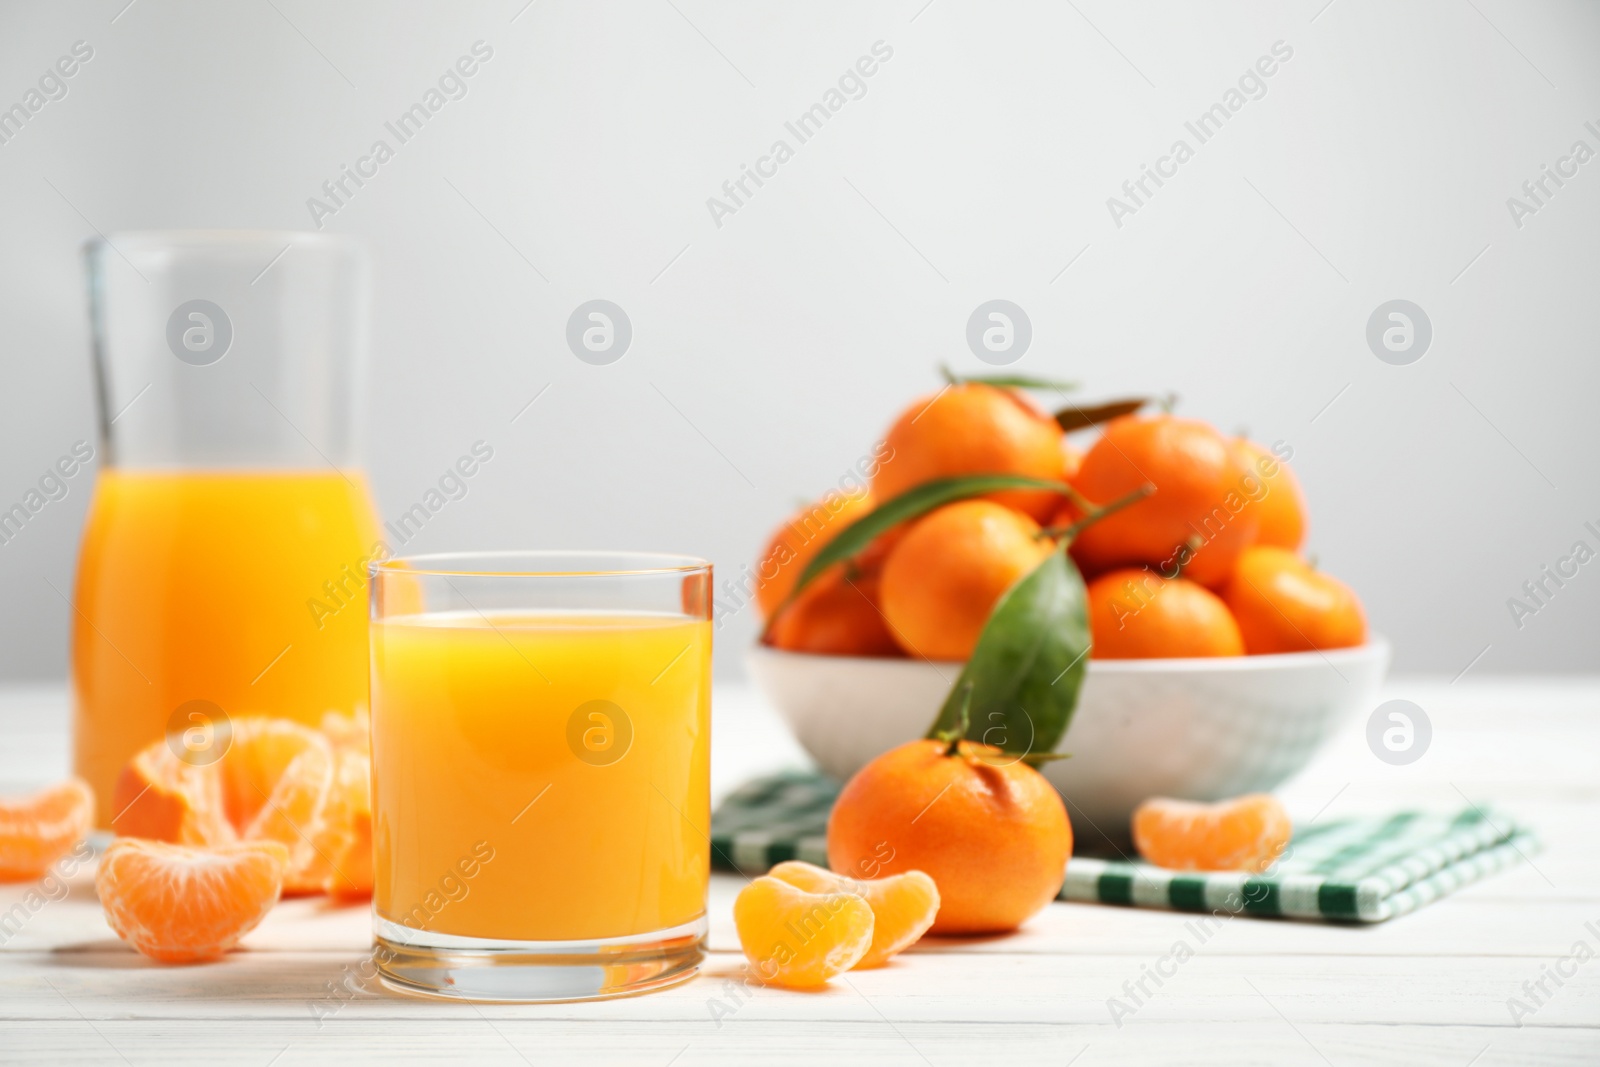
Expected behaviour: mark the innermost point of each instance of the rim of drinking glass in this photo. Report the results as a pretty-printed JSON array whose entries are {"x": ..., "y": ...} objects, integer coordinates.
[{"x": 525, "y": 563}]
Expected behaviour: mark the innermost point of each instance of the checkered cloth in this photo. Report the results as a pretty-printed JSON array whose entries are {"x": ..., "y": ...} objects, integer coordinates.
[{"x": 1364, "y": 869}]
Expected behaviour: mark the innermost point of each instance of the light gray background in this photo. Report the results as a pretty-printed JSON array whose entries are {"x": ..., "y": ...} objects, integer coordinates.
[{"x": 768, "y": 354}]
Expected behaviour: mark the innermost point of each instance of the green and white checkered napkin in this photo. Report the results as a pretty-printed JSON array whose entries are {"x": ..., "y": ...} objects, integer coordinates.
[{"x": 1364, "y": 869}]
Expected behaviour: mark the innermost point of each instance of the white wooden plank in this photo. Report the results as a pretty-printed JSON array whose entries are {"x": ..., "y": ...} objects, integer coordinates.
[
  {"x": 999, "y": 987},
  {"x": 516, "y": 1043}
]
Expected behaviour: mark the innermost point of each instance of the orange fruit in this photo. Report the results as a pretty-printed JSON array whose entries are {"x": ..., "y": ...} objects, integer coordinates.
[
  {"x": 989, "y": 830},
  {"x": 945, "y": 575},
  {"x": 181, "y": 904},
  {"x": 836, "y": 615},
  {"x": 37, "y": 830},
  {"x": 273, "y": 783},
  {"x": 800, "y": 939},
  {"x": 1136, "y": 614},
  {"x": 1283, "y": 604},
  {"x": 1281, "y": 511},
  {"x": 1197, "y": 517},
  {"x": 903, "y": 905},
  {"x": 1246, "y": 833},
  {"x": 799, "y": 539},
  {"x": 973, "y": 429}
]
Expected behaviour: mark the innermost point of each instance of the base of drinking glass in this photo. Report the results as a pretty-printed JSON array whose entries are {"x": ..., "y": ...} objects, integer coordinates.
[{"x": 475, "y": 968}]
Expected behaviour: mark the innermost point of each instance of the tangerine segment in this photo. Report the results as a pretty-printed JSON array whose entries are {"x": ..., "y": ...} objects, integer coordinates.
[
  {"x": 165, "y": 798},
  {"x": 36, "y": 831},
  {"x": 351, "y": 730},
  {"x": 799, "y": 939},
  {"x": 341, "y": 862},
  {"x": 276, "y": 782},
  {"x": 903, "y": 905},
  {"x": 276, "y": 779},
  {"x": 181, "y": 904},
  {"x": 1246, "y": 833}
]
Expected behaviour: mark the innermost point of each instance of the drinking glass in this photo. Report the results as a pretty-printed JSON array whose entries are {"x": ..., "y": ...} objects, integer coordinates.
[
  {"x": 541, "y": 761},
  {"x": 223, "y": 563}
]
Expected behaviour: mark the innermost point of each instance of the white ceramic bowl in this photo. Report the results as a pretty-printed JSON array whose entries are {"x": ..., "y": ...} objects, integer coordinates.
[{"x": 1200, "y": 729}]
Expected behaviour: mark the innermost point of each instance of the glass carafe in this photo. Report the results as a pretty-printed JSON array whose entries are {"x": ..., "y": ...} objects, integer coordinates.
[{"x": 223, "y": 564}]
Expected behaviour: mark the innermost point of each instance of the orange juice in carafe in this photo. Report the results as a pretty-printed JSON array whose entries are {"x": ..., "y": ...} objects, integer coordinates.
[{"x": 243, "y": 589}]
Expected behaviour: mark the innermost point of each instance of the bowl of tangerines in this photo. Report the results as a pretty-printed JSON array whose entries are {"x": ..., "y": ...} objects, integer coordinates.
[{"x": 1111, "y": 582}]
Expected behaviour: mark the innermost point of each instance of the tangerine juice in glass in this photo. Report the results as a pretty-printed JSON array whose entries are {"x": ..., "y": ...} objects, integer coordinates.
[
  {"x": 223, "y": 561},
  {"x": 541, "y": 772}
]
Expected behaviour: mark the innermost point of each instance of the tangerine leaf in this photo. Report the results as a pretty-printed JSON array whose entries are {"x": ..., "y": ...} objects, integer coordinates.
[
  {"x": 1072, "y": 417},
  {"x": 854, "y": 539},
  {"x": 1008, "y": 381},
  {"x": 1024, "y": 676}
]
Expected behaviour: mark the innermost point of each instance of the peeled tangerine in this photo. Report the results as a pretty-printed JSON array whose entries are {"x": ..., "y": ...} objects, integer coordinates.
[
  {"x": 903, "y": 905},
  {"x": 800, "y": 939},
  {"x": 181, "y": 904},
  {"x": 36, "y": 831},
  {"x": 1246, "y": 833},
  {"x": 276, "y": 781}
]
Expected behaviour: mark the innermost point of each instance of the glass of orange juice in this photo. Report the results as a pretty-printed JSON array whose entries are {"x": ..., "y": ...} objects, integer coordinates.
[
  {"x": 224, "y": 558},
  {"x": 540, "y": 772}
]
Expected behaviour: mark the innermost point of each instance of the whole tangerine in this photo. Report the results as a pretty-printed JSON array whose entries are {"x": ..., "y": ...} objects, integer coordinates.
[
  {"x": 1280, "y": 510},
  {"x": 946, "y": 574},
  {"x": 1197, "y": 518},
  {"x": 1283, "y": 604},
  {"x": 989, "y": 830},
  {"x": 1137, "y": 614},
  {"x": 836, "y": 615},
  {"x": 971, "y": 428},
  {"x": 796, "y": 542}
]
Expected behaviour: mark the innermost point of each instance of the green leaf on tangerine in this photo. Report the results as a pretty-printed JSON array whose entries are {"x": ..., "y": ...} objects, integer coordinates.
[
  {"x": 1024, "y": 675},
  {"x": 853, "y": 539},
  {"x": 1008, "y": 381}
]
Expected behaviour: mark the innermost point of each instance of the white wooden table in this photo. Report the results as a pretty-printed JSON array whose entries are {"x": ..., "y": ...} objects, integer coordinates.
[{"x": 1430, "y": 988}]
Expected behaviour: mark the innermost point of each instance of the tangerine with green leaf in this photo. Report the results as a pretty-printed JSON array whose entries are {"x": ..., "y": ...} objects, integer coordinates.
[
  {"x": 946, "y": 574},
  {"x": 799, "y": 539},
  {"x": 988, "y": 828},
  {"x": 837, "y": 614},
  {"x": 973, "y": 428}
]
